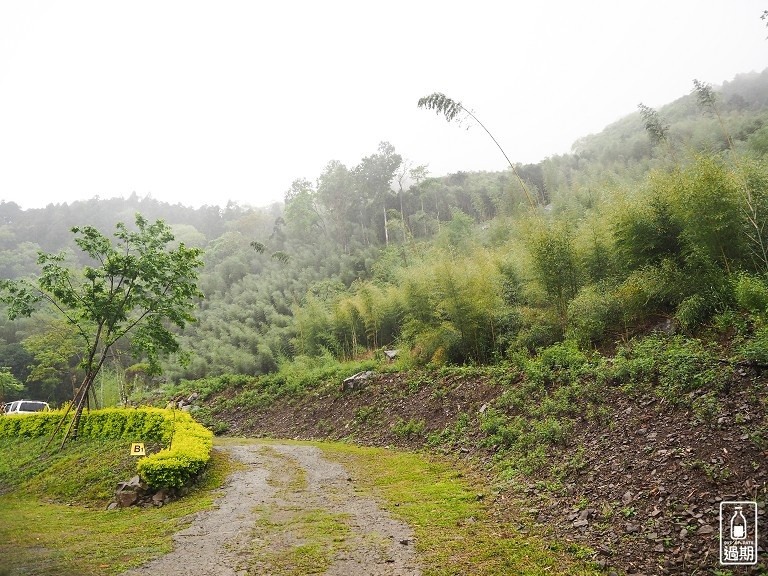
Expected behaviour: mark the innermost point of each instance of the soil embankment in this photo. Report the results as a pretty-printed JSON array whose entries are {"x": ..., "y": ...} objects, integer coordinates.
[{"x": 639, "y": 486}]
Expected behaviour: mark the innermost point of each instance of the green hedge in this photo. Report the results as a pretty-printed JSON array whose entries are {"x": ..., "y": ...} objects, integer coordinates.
[
  {"x": 186, "y": 456},
  {"x": 187, "y": 443}
]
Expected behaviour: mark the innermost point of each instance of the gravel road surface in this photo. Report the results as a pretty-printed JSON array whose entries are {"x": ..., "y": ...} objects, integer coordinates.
[{"x": 254, "y": 526}]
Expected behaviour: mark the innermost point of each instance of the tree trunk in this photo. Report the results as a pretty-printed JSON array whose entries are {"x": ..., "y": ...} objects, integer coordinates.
[
  {"x": 386, "y": 232},
  {"x": 79, "y": 402},
  {"x": 402, "y": 214}
]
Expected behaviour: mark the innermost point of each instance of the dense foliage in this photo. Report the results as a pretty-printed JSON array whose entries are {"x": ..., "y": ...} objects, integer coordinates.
[
  {"x": 135, "y": 285},
  {"x": 186, "y": 445},
  {"x": 656, "y": 221}
]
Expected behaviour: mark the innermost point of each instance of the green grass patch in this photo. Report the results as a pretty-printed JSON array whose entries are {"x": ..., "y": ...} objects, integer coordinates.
[
  {"x": 291, "y": 538},
  {"x": 84, "y": 472},
  {"x": 456, "y": 532},
  {"x": 300, "y": 541},
  {"x": 42, "y": 533}
]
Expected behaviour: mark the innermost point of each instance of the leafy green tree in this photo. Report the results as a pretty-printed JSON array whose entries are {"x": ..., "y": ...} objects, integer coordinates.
[
  {"x": 707, "y": 99},
  {"x": 136, "y": 285},
  {"x": 706, "y": 199},
  {"x": 301, "y": 215},
  {"x": 555, "y": 265},
  {"x": 373, "y": 181},
  {"x": 657, "y": 129},
  {"x": 17, "y": 359},
  {"x": 9, "y": 385},
  {"x": 646, "y": 232},
  {"x": 335, "y": 194},
  {"x": 57, "y": 352}
]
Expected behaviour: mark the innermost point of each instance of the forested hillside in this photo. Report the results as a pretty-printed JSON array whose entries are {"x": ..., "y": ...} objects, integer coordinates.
[{"x": 660, "y": 217}]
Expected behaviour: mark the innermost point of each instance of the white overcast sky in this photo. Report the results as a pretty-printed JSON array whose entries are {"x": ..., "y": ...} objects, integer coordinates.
[{"x": 205, "y": 102}]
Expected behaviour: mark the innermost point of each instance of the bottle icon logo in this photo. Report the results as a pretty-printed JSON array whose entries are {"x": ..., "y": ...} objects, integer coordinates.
[
  {"x": 738, "y": 524},
  {"x": 738, "y": 533}
]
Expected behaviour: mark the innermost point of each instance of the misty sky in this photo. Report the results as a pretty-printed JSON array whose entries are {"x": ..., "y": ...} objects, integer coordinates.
[{"x": 205, "y": 102}]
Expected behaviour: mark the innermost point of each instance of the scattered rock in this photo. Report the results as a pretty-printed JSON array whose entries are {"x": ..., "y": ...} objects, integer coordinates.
[
  {"x": 126, "y": 498},
  {"x": 356, "y": 381},
  {"x": 391, "y": 355},
  {"x": 645, "y": 467},
  {"x": 135, "y": 492},
  {"x": 160, "y": 497}
]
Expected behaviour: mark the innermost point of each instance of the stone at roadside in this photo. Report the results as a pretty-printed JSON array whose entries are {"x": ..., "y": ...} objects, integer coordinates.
[
  {"x": 160, "y": 497},
  {"x": 130, "y": 492},
  {"x": 126, "y": 498}
]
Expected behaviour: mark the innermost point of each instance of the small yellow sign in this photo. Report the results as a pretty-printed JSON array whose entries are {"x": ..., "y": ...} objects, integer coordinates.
[{"x": 137, "y": 449}]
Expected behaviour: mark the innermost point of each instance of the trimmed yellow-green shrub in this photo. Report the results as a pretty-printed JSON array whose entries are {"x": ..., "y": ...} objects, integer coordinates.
[
  {"x": 146, "y": 424},
  {"x": 29, "y": 425},
  {"x": 187, "y": 443},
  {"x": 186, "y": 456}
]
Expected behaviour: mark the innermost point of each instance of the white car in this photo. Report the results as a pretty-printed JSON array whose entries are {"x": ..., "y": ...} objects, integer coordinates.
[{"x": 26, "y": 407}]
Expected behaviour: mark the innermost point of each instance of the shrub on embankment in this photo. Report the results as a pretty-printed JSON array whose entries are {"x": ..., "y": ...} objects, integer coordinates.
[{"x": 187, "y": 443}]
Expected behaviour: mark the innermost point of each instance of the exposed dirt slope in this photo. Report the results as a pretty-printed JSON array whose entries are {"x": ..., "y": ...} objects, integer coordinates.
[{"x": 639, "y": 487}]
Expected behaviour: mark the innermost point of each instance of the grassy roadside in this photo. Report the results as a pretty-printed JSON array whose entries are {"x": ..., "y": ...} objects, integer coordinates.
[
  {"x": 43, "y": 534},
  {"x": 451, "y": 516},
  {"x": 52, "y": 511},
  {"x": 448, "y": 510}
]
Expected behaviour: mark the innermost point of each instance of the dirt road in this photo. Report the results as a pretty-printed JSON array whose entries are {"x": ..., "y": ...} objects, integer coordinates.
[{"x": 289, "y": 510}]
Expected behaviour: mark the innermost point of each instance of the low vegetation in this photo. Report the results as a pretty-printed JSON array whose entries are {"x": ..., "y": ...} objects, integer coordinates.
[
  {"x": 450, "y": 511},
  {"x": 185, "y": 445},
  {"x": 54, "y": 513},
  {"x": 44, "y": 495}
]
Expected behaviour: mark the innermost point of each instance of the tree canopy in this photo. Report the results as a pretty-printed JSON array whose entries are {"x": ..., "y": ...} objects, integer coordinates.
[{"x": 136, "y": 284}]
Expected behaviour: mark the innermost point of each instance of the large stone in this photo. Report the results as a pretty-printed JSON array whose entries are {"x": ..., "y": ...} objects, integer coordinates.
[
  {"x": 130, "y": 492},
  {"x": 126, "y": 498},
  {"x": 136, "y": 484},
  {"x": 160, "y": 497},
  {"x": 356, "y": 381}
]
